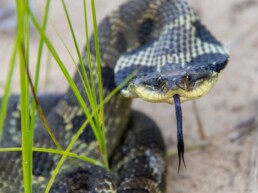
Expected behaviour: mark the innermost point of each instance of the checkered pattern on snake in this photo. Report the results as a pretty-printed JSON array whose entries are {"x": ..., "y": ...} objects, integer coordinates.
[{"x": 151, "y": 36}]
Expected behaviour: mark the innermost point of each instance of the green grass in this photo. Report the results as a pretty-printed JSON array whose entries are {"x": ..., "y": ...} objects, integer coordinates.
[
  {"x": 23, "y": 52},
  {"x": 7, "y": 88},
  {"x": 29, "y": 86},
  {"x": 20, "y": 56}
]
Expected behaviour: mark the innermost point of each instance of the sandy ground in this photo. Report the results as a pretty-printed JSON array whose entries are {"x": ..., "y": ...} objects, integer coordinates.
[{"x": 224, "y": 165}]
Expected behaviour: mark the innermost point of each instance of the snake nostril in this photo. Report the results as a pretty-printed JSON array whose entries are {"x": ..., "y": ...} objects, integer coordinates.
[
  {"x": 189, "y": 78},
  {"x": 160, "y": 82},
  {"x": 183, "y": 83}
]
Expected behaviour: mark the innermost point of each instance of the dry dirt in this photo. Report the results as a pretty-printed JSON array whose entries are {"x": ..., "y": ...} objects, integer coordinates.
[{"x": 224, "y": 165}]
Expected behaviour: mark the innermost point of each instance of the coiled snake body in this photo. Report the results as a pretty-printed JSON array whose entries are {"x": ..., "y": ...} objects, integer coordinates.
[{"x": 173, "y": 55}]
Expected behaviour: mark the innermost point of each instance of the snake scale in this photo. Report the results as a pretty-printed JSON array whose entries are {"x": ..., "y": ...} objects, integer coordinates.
[{"x": 175, "y": 59}]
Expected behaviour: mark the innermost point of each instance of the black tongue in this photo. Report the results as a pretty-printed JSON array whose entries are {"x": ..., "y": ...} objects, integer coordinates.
[{"x": 180, "y": 137}]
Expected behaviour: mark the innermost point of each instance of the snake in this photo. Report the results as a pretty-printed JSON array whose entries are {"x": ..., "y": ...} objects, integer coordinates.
[{"x": 171, "y": 58}]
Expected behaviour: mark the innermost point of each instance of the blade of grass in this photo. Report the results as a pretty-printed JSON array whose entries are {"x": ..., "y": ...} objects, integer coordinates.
[
  {"x": 10, "y": 149},
  {"x": 88, "y": 47},
  {"x": 70, "y": 154},
  {"x": 41, "y": 43},
  {"x": 54, "y": 151},
  {"x": 100, "y": 86},
  {"x": 37, "y": 72},
  {"x": 23, "y": 55},
  {"x": 100, "y": 116},
  {"x": 96, "y": 41},
  {"x": 7, "y": 88}
]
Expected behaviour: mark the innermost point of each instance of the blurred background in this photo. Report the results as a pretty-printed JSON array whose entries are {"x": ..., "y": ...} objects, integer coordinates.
[{"x": 226, "y": 161}]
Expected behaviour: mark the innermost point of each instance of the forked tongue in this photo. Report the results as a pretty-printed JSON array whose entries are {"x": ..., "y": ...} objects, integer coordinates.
[{"x": 180, "y": 138}]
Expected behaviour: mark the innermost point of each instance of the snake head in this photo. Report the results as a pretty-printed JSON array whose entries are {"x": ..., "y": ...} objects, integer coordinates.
[{"x": 161, "y": 87}]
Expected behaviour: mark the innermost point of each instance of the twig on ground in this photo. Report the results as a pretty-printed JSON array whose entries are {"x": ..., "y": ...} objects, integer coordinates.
[
  {"x": 201, "y": 129},
  {"x": 251, "y": 185}
]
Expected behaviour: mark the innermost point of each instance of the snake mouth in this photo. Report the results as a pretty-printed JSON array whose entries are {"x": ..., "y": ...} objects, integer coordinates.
[{"x": 158, "y": 88}]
